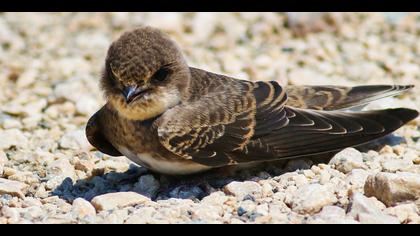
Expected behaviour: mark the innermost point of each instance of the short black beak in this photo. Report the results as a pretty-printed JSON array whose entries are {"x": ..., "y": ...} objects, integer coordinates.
[{"x": 131, "y": 92}]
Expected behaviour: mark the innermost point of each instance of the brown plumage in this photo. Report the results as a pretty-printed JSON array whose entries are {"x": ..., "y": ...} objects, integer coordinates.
[{"x": 175, "y": 119}]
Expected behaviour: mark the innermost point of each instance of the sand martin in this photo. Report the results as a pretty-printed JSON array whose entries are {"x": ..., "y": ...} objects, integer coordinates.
[{"x": 177, "y": 120}]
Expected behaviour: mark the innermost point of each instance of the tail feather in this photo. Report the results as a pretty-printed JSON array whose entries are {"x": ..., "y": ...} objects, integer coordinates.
[{"x": 347, "y": 129}]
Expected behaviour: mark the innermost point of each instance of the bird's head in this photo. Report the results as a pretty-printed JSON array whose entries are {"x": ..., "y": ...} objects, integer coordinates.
[{"x": 145, "y": 74}]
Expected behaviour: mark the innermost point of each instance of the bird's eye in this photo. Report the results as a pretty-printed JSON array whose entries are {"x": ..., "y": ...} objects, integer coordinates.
[{"x": 161, "y": 75}]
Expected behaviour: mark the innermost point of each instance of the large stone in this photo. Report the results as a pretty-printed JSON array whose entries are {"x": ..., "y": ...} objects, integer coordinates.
[
  {"x": 311, "y": 198},
  {"x": 392, "y": 188},
  {"x": 13, "y": 188},
  {"x": 242, "y": 189},
  {"x": 347, "y": 160},
  {"x": 111, "y": 201}
]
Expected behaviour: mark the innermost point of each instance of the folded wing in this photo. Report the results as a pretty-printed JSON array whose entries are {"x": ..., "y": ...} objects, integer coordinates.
[{"x": 337, "y": 97}]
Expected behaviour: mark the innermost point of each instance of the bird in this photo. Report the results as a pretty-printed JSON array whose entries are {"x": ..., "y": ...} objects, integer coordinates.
[{"x": 178, "y": 120}]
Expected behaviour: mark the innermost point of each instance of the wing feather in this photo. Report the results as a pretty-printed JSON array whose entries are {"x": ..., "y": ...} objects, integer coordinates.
[{"x": 238, "y": 121}]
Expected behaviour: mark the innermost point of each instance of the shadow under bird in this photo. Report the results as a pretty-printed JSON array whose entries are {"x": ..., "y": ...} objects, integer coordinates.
[{"x": 177, "y": 120}]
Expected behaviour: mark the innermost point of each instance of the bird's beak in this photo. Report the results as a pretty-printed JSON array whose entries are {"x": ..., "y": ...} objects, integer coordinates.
[{"x": 132, "y": 92}]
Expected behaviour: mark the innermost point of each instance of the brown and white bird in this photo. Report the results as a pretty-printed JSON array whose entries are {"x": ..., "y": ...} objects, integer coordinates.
[{"x": 177, "y": 120}]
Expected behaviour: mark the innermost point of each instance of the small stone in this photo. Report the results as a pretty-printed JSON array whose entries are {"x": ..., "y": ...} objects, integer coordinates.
[
  {"x": 311, "y": 198},
  {"x": 369, "y": 211},
  {"x": 116, "y": 217},
  {"x": 30, "y": 201},
  {"x": 84, "y": 165},
  {"x": 75, "y": 140},
  {"x": 147, "y": 186},
  {"x": 242, "y": 189},
  {"x": 331, "y": 212},
  {"x": 216, "y": 198},
  {"x": 33, "y": 212},
  {"x": 262, "y": 209},
  {"x": 3, "y": 161},
  {"x": 3, "y": 158},
  {"x": 298, "y": 164},
  {"x": 82, "y": 208},
  {"x": 208, "y": 213},
  {"x": 11, "y": 123},
  {"x": 392, "y": 188},
  {"x": 12, "y": 137},
  {"x": 406, "y": 213},
  {"x": 347, "y": 160},
  {"x": 61, "y": 167},
  {"x": 357, "y": 177},
  {"x": 87, "y": 106},
  {"x": 13, "y": 188},
  {"x": 11, "y": 213},
  {"x": 246, "y": 207},
  {"x": 377, "y": 219},
  {"x": 187, "y": 192},
  {"x": 395, "y": 165},
  {"x": 111, "y": 201}
]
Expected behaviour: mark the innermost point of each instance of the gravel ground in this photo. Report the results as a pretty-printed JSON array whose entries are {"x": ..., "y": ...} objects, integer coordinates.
[{"x": 50, "y": 64}]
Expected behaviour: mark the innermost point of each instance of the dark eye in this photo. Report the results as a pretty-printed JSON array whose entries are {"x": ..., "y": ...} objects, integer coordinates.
[{"x": 161, "y": 75}]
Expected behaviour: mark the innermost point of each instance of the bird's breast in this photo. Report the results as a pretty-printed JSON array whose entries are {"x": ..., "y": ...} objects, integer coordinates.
[{"x": 156, "y": 162}]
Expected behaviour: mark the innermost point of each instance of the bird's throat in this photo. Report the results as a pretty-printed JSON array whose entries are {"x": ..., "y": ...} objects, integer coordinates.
[{"x": 147, "y": 108}]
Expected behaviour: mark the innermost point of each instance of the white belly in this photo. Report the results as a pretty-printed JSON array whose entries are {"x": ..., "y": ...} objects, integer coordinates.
[{"x": 163, "y": 166}]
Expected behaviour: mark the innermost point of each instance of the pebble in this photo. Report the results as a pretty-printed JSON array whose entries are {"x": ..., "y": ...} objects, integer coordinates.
[
  {"x": 406, "y": 213},
  {"x": 207, "y": 213},
  {"x": 14, "y": 188},
  {"x": 311, "y": 199},
  {"x": 82, "y": 208},
  {"x": 395, "y": 165},
  {"x": 147, "y": 186},
  {"x": 3, "y": 161},
  {"x": 242, "y": 189},
  {"x": 347, "y": 160},
  {"x": 357, "y": 177},
  {"x": 111, "y": 201},
  {"x": 75, "y": 140},
  {"x": 393, "y": 188},
  {"x": 12, "y": 137},
  {"x": 84, "y": 165},
  {"x": 369, "y": 211}
]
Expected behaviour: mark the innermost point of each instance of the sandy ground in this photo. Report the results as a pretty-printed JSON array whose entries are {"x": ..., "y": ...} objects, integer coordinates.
[{"x": 50, "y": 65}]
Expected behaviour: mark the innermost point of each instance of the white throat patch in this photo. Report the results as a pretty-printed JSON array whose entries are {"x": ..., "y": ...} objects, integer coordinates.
[{"x": 149, "y": 106}]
